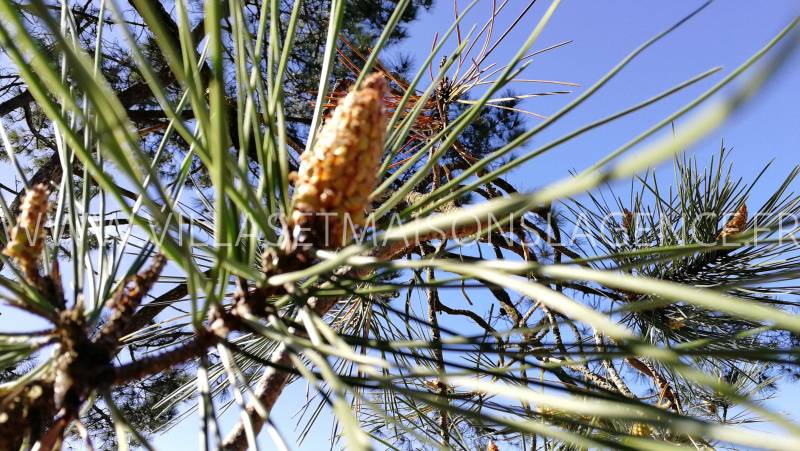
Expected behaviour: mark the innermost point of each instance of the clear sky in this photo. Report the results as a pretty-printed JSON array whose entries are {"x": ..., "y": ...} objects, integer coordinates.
[{"x": 603, "y": 32}]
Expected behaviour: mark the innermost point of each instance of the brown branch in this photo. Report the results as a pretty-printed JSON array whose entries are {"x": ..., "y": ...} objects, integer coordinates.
[
  {"x": 165, "y": 360},
  {"x": 125, "y": 302},
  {"x": 436, "y": 344},
  {"x": 18, "y": 101},
  {"x": 609, "y": 366},
  {"x": 665, "y": 390},
  {"x": 471, "y": 315},
  {"x": 271, "y": 384},
  {"x": 148, "y": 312},
  {"x": 273, "y": 380}
]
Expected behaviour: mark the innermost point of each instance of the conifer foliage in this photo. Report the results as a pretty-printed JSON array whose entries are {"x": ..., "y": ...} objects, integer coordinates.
[{"x": 232, "y": 213}]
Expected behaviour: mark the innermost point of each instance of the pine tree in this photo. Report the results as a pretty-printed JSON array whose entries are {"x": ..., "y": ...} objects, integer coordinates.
[{"x": 237, "y": 200}]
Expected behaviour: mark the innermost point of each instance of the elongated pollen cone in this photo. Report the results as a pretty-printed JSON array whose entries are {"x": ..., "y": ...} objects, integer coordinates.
[
  {"x": 337, "y": 176},
  {"x": 27, "y": 237}
]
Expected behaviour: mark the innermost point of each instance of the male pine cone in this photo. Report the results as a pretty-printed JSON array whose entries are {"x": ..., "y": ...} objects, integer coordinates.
[
  {"x": 736, "y": 224},
  {"x": 27, "y": 237},
  {"x": 337, "y": 176}
]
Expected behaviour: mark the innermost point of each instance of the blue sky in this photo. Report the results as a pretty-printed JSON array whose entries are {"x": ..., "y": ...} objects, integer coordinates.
[{"x": 603, "y": 32}]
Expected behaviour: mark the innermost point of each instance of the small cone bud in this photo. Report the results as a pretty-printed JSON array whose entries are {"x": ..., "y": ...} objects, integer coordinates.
[
  {"x": 492, "y": 446},
  {"x": 337, "y": 176},
  {"x": 627, "y": 218},
  {"x": 27, "y": 237},
  {"x": 736, "y": 224},
  {"x": 676, "y": 323},
  {"x": 641, "y": 430},
  {"x": 414, "y": 197}
]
